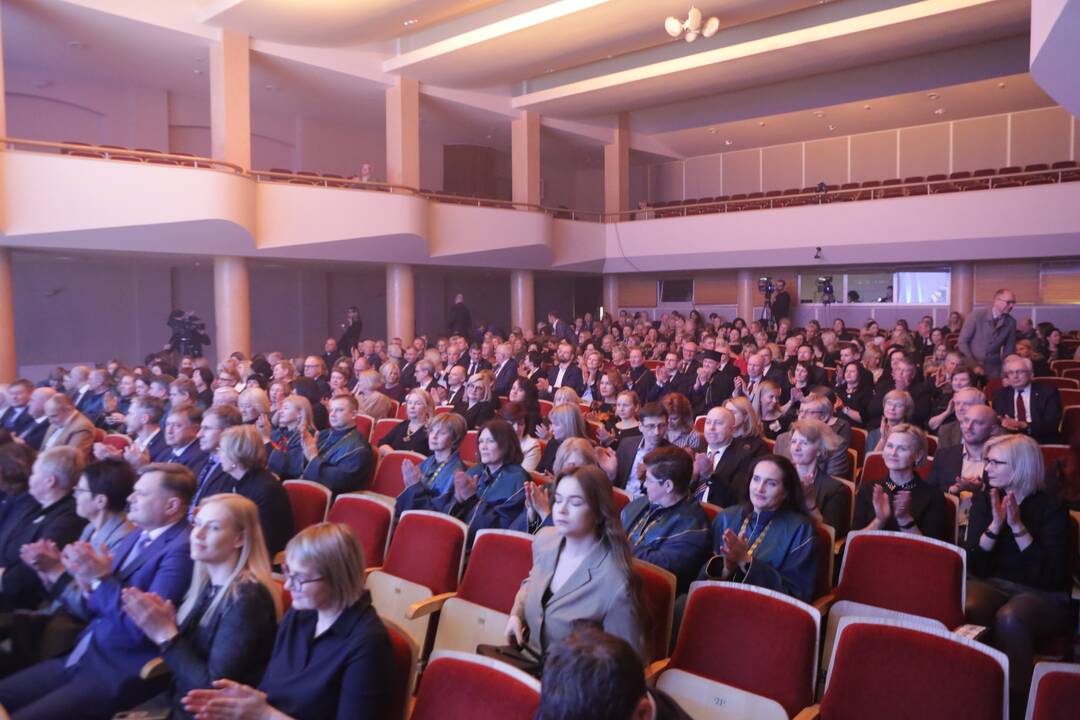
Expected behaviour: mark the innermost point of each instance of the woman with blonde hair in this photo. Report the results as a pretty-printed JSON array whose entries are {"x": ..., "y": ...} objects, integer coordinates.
[
  {"x": 295, "y": 422},
  {"x": 391, "y": 375},
  {"x": 567, "y": 421},
  {"x": 748, "y": 427},
  {"x": 243, "y": 459},
  {"x": 827, "y": 501},
  {"x": 254, "y": 404},
  {"x": 332, "y": 657},
  {"x": 224, "y": 629},
  {"x": 1017, "y": 542},
  {"x": 477, "y": 407},
  {"x": 368, "y": 391},
  {"x": 412, "y": 433}
]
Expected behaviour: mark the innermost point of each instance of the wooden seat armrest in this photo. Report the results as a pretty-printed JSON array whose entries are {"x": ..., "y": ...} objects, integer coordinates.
[
  {"x": 368, "y": 571},
  {"x": 811, "y": 713},
  {"x": 655, "y": 668},
  {"x": 154, "y": 668},
  {"x": 428, "y": 606},
  {"x": 824, "y": 602}
]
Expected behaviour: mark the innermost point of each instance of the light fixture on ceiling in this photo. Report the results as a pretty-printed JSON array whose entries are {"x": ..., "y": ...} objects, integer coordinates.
[
  {"x": 831, "y": 128},
  {"x": 410, "y": 22},
  {"x": 865, "y": 107},
  {"x": 729, "y": 142},
  {"x": 692, "y": 26},
  {"x": 1001, "y": 85},
  {"x": 761, "y": 123},
  {"x": 939, "y": 111},
  {"x": 819, "y": 113},
  {"x": 933, "y": 96},
  {"x": 711, "y": 131}
]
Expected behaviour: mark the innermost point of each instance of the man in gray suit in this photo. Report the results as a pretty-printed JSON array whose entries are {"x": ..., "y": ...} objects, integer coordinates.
[{"x": 989, "y": 334}]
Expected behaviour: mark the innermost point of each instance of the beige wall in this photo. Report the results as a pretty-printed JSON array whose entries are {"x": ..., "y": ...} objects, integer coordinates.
[{"x": 1045, "y": 135}]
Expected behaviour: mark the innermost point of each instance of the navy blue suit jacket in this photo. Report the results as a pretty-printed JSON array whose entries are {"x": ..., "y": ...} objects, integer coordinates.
[
  {"x": 572, "y": 378},
  {"x": 193, "y": 458},
  {"x": 118, "y": 648},
  {"x": 1044, "y": 415},
  {"x": 16, "y": 425},
  {"x": 34, "y": 434},
  {"x": 505, "y": 378}
]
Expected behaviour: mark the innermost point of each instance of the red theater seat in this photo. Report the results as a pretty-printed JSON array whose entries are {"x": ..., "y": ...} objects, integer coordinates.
[
  {"x": 371, "y": 518},
  {"x": 459, "y": 686}
]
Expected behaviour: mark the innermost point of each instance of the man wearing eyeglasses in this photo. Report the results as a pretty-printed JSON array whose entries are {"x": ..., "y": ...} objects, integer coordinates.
[{"x": 989, "y": 334}]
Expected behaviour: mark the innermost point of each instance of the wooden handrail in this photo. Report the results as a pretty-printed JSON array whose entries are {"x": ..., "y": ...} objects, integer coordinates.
[
  {"x": 107, "y": 151},
  {"x": 342, "y": 182},
  {"x": 481, "y": 202}
]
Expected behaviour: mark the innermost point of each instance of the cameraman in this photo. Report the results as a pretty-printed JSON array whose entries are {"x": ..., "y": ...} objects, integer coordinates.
[
  {"x": 189, "y": 334},
  {"x": 781, "y": 304}
]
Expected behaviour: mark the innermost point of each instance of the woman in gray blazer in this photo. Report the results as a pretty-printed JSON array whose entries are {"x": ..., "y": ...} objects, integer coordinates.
[{"x": 582, "y": 569}]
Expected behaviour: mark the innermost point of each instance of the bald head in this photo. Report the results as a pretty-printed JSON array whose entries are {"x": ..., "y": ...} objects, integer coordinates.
[
  {"x": 38, "y": 398},
  {"x": 978, "y": 425},
  {"x": 719, "y": 427},
  {"x": 58, "y": 408}
]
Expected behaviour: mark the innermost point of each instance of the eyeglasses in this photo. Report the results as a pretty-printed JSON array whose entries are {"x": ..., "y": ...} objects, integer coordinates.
[
  {"x": 78, "y": 489},
  {"x": 995, "y": 462},
  {"x": 297, "y": 582}
]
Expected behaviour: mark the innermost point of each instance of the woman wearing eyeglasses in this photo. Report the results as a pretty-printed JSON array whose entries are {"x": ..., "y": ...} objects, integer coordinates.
[
  {"x": 1016, "y": 547},
  {"x": 332, "y": 656},
  {"x": 476, "y": 408}
]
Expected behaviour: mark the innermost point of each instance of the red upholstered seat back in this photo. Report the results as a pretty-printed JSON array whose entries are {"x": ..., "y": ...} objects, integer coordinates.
[
  {"x": 1057, "y": 697},
  {"x": 426, "y": 549},
  {"x": 370, "y": 521},
  {"x": 403, "y": 664},
  {"x": 308, "y": 504},
  {"x": 497, "y": 565},
  {"x": 387, "y": 479},
  {"x": 893, "y": 673},
  {"x": 659, "y": 590},
  {"x": 117, "y": 442},
  {"x": 823, "y": 583},
  {"x": 364, "y": 424},
  {"x": 751, "y": 641},
  {"x": 456, "y": 689},
  {"x": 468, "y": 449},
  {"x": 905, "y": 574},
  {"x": 382, "y": 429}
]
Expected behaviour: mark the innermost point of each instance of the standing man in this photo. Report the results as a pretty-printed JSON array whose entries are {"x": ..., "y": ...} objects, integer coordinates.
[
  {"x": 989, "y": 334},
  {"x": 459, "y": 319},
  {"x": 352, "y": 327},
  {"x": 781, "y": 304}
]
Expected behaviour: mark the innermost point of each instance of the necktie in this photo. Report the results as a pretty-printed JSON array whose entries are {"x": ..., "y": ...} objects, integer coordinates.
[
  {"x": 136, "y": 551},
  {"x": 1021, "y": 411}
]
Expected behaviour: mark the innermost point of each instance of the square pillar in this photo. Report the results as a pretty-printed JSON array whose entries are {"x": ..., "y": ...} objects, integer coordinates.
[
  {"x": 617, "y": 170},
  {"x": 525, "y": 146},
  {"x": 230, "y": 99},
  {"x": 403, "y": 133}
]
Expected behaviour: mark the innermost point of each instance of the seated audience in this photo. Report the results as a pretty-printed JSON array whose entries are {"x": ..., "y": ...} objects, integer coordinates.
[
  {"x": 477, "y": 407},
  {"x": 855, "y": 394},
  {"x": 412, "y": 433},
  {"x": 242, "y": 456},
  {"x": 215, "y": 421},
  {"x": 309, "y": 390},
  {"x": 1026, "y": 407},
  {"x": 33, "y": 434},
  {"x": 818, "y": 407},
  {"x": 332, "y": 657},
  {"x": 182, "y": 437},
  {"x": 294, "y": 429},
  {"x": 897, "y": 407},
  {"x": 748, "y": 428},
  {"x": 712, "y": 386},
  {"x": 254, "y": 406},
  {"x": 51, "y": 517},
  {"x": 144, "y": 424},
  {"x": 593, "y": 675},
  {"x": 340, "y": 458},
  {"x": 720, "y": 473},
  {"x": 948, "y": 433},
  {"x": 680, "y": 430},
  {"x": 902, "y": 501},
  {"x": 630, "y": 452},
  {"x": 100, "y": 677},
  {"x": 581, "y": 569},
  {"x": 768, "y": 540},
  {"x": 531, "y": 448},
  {"x": 565, "y": 373},
  {"x": 67, "y": 426},
  {"x": 812, "y": 442},
  {"x": 566, "y": 421},
  {"x": 623, "y": 423},
  {"x": 524, "y": 391},
  {"x": 17, "y": 417},
  {"x": 1016, "y": 547},
  {"x": 225, "y": 627},
  {"x": 961, "y": 467},
  {"x": 666, "y": 526},
  {"x": 372, "y": 401},
  {"x": 775, "y": 420},
  {"x": 435, "y": 476}
]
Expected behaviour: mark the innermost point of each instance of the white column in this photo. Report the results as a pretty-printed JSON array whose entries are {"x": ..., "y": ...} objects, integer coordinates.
[
  {"x": 962, "y": 287},
  {"x": 8, "y": 367},
  {"x": 403, "y": 133},
  {"x": 525, "y": 146},
  {"x": 522, "y": 300},
  {"x": 400, "y": 304},
  {"x": 611, "y": 295},
  {"x": 232, "y": 306},
  {"x": 230, "y": 99},
  {"x": 745, "y": 288}
]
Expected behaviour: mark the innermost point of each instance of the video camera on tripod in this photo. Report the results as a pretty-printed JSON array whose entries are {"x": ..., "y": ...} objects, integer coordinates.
[
  {"x": 826, "y": 290},
  {"x": 189, "y": 333},
  {"x": 766, "y": 287}
]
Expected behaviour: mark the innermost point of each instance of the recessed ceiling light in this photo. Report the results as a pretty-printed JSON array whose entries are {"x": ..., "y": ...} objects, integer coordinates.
[
  {"x": 1001, "y": 85},
  {"x": 729, "y": 142},
  {"x": 933, "y": 96},
  {"x": 76, "y": 44},
  {"x": 761, "y": 123},
  {"x": 939, "y": 111},
  {"x": 819, "y": 113},
  {"x": 410, "y": 22},
  {"x": 196, "y": 71},
  {"x": 831, "y": 128},
  {"x": 711, "y": 131},
  {"x": 865, "y": 107}
]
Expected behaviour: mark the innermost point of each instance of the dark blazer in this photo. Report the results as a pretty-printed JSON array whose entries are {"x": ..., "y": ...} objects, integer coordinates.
[
  {"x": 1043, "y": 563},
  {"x": 948, "y": 462},
  {"x": 16, "y": 425},
  {"x": 58, "y": 522},
  {"x": 1044, "y": 415},
  {"x": 193, "y": 458},
  {"x": 453, "y": 397},
  {"x": 91, "y": 405},
  {"x": 834, "y": 501},
  {"x": 467, "y": 363},
  {"x": 505, "y": 378},
  {"x": 927, "y": 509},
  {"x": 286, "y": 458},
  {"x": 676, "y": 538},
  {"x": 270, "y": 497},
  {"x": 345, "y": 461},
  {"x": 572, "y": 378},
  {"x": 34, "y": 434},
  {"x": 728, "y": 483},
  {"x": 476, "y": 415},
  {"x": 720, "y": 387},
  {"x": 625, "y": 453},
  {"x": 417, "y": 442},
  {"x": 158, "y": 449},
  {"x": 118, "y": 648},
  {"x": 641, "y": 382}
]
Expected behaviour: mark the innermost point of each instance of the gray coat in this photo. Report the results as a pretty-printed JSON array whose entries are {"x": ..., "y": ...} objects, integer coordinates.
[
  {"x": 596, "y": 590},
  {"x": 983, "y": 343}
]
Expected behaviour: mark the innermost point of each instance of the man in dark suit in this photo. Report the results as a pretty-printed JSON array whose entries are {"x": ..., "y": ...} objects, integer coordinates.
[
  {"x": 565, "y": 374},
  {"x": 641, "y": 378},
  {"x": 182, "y": 437},
  {"x": 960, "y": 467},
  {"x": 459, "y": 319},
  {"x": 903, "y": 378},
  {"x": 713, "y": 385},
  {"x": 408, "y": 368},
  {"x": 1033, "y": 409},
  {"x": 331, "y": 352},
  {"x": 17, "y": 417},
  {"x": 34, "y": 433},
  {"x": 720, "y": 472},
  {"x": 666, "y": 380},
  {"x": 455, "y": 385},
  {"x": 560, "y": 329},
  {"x": 100, "y": 677},
  {"x": 51, "y": 517},
  {"x": 781, "y": 303},
  {"x": 144, "y": 423},
  {"x": 989, "y": 334},
  {"x": 631, "y": 451},
  {"x": 215, "y": 421},
  {"x": 92, "y": 402},
  {"x": 473, "y": 362},
  {"x": 340, "y": 458},
  {"x": 505, "y": 370}
]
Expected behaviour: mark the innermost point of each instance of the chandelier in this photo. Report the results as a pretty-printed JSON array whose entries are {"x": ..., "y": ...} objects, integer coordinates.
[{"x": 692, "y": 26}]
